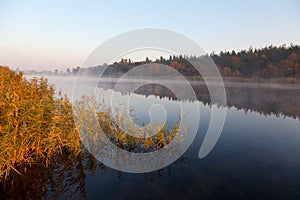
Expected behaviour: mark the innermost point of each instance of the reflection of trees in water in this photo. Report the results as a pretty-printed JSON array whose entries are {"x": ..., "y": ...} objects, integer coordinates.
[
  {"x": 65, "y": 177},
  {"x": 266, "y": 101}
]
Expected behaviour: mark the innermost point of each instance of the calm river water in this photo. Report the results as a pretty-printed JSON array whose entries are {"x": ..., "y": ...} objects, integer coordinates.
[{"x": 256, "y": 157}]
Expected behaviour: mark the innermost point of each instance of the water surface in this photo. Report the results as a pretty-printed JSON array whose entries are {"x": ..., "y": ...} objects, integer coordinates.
[{"x": 256, "y": 156}]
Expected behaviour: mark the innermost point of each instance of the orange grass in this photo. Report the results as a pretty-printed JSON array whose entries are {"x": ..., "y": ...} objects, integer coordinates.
[{"x": 35, "y": 125}]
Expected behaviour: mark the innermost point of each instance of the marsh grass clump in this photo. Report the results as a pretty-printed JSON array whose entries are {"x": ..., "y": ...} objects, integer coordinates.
[
  {"x": 37, "y": 127},
  {"x": 115, "y": 123},
  {"x": 34, "y": 124},
  {"x": 141, "y": 142}
]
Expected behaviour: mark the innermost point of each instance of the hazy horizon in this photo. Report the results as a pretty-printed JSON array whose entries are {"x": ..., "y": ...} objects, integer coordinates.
[{"x": 58, "y": 35}]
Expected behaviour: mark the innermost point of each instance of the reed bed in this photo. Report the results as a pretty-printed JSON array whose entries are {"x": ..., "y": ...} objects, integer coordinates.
[
  {"x": 36, "y": 125},
  {"x": 142, "y": 141},
  {"x": 33, "y": 123},
  {"x": 121, "y": 129}
]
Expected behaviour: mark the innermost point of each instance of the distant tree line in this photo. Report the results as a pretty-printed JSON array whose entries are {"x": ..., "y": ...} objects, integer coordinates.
[{"x": 267, "y": 62}]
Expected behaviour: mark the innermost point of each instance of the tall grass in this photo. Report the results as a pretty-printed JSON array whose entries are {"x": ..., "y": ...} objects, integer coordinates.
[
  {"x": 121, "y": 129},
  {"x": 142, "y": 141},
  {"x": 33, "y": 124},
  {"x": 36, "y": 126}
]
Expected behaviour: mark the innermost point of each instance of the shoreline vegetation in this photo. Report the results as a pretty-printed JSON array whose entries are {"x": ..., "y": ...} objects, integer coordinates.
[
  {"x": 37, "y": 127},
  {"x": 34, "y": 125},
  {"x": 280, "y": 64},
  {"x": 115, "y": 78}
]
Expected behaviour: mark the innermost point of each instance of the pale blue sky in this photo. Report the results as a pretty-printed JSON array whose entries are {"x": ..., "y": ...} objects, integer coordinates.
[{"x": 60, "y": 34}]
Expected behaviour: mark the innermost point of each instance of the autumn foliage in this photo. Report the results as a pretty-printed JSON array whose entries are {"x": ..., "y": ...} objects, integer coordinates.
[
  {"x": 34, "y": 124},
  {"x": 38, "y": 126},
  {"x": 268, "y": 62}
]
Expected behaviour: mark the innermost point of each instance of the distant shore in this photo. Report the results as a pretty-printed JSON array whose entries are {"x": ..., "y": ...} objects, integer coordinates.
[{"x": 238, "y": 82}]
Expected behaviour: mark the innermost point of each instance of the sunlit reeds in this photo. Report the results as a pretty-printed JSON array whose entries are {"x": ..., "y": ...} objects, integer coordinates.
[
  {"x": 33, "y": 124},
  {"x": 140, "y": 139},
  {"x": 36, "y": 125},
  {"x": 121, "y": 129}
]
